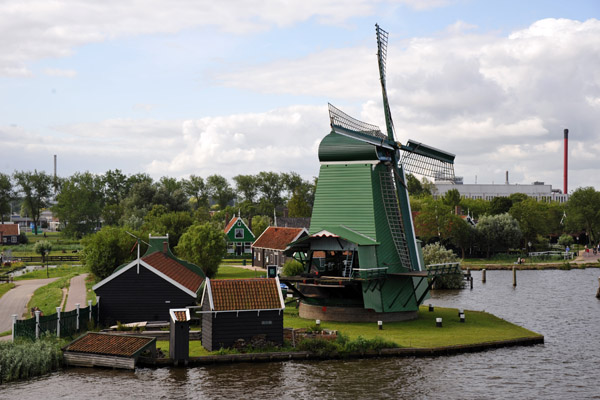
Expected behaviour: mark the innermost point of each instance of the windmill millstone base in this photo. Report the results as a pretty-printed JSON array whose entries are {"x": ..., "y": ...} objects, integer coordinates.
[{"x": 352, "y": 314}]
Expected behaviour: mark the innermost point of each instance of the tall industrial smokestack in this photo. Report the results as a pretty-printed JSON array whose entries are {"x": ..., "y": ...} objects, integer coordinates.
[
  {"x": 507, "y": 177},
  {"x": 55, "y": 180},
  {"x": 566, "y": 161}
]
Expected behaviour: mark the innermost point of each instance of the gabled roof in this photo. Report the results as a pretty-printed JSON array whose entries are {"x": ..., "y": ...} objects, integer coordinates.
[
  {"x": 180, "y": 314},
  {"x": 9, "y": 229},
  {"x": 182, "y": 274},
  {"x": 175, "y": 270},
  {"x": 243, "y": 294},
  {"x": 109, "y": 344},
  {"x": 276, "y": 238}
]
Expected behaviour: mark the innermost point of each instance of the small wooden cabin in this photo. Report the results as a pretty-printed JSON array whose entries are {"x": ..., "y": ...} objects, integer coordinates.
[
  {"x": 235, "y": 309},
  {"x": 239, "y": 237},
  {"x": 148, "y": 287},
  {"x": 97, "y": 349},
  {"x": 9, "y": 233},
  {"x": 270, "y": 246}
]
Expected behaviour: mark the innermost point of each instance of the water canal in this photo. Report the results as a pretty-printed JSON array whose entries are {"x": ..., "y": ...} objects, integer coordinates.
[{"x": 559, "y": 304}]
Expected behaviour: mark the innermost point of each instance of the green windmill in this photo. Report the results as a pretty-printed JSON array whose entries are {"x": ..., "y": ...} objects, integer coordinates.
[{"x": 361, "y": 259}]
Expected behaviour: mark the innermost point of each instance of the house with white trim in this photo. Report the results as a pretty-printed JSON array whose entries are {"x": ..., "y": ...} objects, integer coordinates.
[{"x": 146, "y": 288}]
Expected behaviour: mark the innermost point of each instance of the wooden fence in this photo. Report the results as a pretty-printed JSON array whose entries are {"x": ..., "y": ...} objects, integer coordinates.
[
  {"x": 49, "y": 258},
  {"x": 60, "y": 324}
]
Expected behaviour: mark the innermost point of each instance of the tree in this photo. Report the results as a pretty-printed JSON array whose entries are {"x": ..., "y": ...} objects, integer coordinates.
[
  {"x": 171, "y": 194},
  {"x": 533, "y": 218},
  {"x": 35, "y": 187},
  {"x": 138, "y": 203},
  {"x": 6, "y": 195},
  {"x": 565, "y": 240},
  {"x": 583, "y": 212},
  {"x": 297, "y": 205},
  {"x": 116, "y": 186},
  {"x": 437, "y": 254},
  {"x": 196, "y": 189},
  {"x": 106, "y": 249},
  {"x": 203, "y": 245},
  {"x": 414, "y": 186},
  {"x": 246, "y": 187},
  {"x": 475, "y": 207},
  {"x": 434, "y": 220},
  {"x": 461, "y": 234},
  {"x": 161, "y": 222},
  {"x": 498, "y": 232},
  {"x": 219, "y": 190},
  {"x": 79, "y": 204},
  {"x": 517, "y": 197},
  {"x": 271, "y": 186},
  {"x": 259, "y": 224},
  {"x": 43, "y": 248},
  {"x": 500, "y": 205},
  {"x": 452, "y": 198}
]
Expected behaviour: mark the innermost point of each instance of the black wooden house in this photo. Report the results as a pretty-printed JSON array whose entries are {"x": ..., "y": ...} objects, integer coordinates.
[
  {"x": 235, "y": 309},
  {"x": 148, "y": 287}
]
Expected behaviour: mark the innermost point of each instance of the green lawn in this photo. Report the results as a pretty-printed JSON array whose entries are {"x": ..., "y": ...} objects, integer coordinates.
[
  {"x": 479, "y": 327},
  {"x": 57, "y": 272},
  {"x": 238, "y": 273},
  {"x": 5, "y": 287}
]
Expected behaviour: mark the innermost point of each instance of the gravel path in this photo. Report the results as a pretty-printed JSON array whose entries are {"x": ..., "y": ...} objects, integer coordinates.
[{"x": 77, "y": 292}]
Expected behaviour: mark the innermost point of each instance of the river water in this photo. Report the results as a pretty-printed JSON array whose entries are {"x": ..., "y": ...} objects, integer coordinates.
[{"x": 561, "y": 305}]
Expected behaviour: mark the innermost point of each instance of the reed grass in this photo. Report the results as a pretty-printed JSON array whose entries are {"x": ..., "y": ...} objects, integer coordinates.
[{"x": 25, "y": 359}]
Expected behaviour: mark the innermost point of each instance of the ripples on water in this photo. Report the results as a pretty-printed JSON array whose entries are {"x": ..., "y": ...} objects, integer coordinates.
[{"x": 561, "y": 305}]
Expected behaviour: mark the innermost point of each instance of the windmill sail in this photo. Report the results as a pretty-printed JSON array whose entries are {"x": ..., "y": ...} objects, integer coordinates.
[
  {"x": 418, "y": 158},
  {"x": 382, "y": 41},
  {"x": 345, "y": 125}
]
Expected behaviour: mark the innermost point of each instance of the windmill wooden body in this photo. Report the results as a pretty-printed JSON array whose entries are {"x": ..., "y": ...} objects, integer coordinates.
[{"x": 362, "y": 260}]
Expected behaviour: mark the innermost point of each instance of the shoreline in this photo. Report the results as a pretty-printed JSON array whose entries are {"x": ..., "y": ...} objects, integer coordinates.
[
  {"x": 508, "y": 267},
  {"x": 305, "y": 355}
]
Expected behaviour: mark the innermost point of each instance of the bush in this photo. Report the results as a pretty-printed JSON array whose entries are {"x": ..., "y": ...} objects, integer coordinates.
[
  {"x": 292, "y": 268},
  {"x": 438, "y": 254},
  {"x": 565, "y": 240}
]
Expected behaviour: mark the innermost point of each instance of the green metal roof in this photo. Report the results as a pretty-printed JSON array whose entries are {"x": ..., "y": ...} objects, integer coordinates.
[
  {"x": 351, "y": 235},
  {"x": 335, "y": 147}
]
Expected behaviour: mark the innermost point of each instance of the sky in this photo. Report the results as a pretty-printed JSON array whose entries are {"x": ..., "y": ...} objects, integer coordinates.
[{"x": 181, "y": 87}]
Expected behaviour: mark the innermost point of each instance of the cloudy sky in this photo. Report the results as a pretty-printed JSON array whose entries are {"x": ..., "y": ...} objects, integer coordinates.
[{"x": 180, "y": 87}]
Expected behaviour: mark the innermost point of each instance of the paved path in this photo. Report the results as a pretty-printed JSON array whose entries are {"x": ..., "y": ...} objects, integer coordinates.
[
  {"x": 15, "y": 300},
  {"x": 77, "y": 292}
]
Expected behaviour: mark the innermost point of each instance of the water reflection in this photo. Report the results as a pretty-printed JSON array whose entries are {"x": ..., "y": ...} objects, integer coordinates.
[{"x": 559, "y": 304}]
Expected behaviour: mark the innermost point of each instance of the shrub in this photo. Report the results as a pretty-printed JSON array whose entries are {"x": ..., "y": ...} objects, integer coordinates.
[
  {"x": 438, "y": 254},
  {"x": 25, "y": 359},
  {"x": 292, "y": 268},
  {"x": 320, "y": 347}
]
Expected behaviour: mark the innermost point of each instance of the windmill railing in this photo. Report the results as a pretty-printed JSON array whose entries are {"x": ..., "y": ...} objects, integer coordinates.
[
  {"x": 370, "y": 273},
  {"x": 443, "y": 269}
]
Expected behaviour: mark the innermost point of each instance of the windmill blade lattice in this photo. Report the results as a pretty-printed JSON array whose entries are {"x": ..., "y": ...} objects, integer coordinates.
[
  {"x": 418, "y": 158},
  {"x": 340, "y": 119}
]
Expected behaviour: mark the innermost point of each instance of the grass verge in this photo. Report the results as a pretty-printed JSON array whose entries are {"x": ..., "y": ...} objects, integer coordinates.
[
  {"x": 48, "y": 297},
  {"x": 58, "y": 272},
  {"x": 5, "y": 287}
]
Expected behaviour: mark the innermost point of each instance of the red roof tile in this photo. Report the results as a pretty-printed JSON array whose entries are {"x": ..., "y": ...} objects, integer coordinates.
[
  {"x": 9, "y": 229},
  {"x": 109, "y": 344},
  {"x": 277, "y": 238},
  {"x": 230, "y": 224},
  {"x": 174, "y": 270},
  {"x": 180, "y": 315},
  {"x": 245, "y": 294}
]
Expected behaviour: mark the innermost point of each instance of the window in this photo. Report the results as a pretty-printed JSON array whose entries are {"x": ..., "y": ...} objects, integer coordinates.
[
  {"x": 239, "y": 233},
  {"x": 248, "y": 247},
  {"x": 239, "y": 223},
  {"x": 14, "y": 239}
]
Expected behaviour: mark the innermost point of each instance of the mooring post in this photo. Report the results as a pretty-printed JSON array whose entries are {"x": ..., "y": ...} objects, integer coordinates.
[
  {"x": 77, "y": 324},
  {"x": 598, "y": 292},
  {"x": 14, "y": 317},
  {"x": 471, "y": 281},
  {"x": 514, "y": 277},
  {"x": 90, "y": 309},
  {"x": 37, "y": 323},
  {"x": 483, "y": 275},
  {"x": 58, "y": 322}
]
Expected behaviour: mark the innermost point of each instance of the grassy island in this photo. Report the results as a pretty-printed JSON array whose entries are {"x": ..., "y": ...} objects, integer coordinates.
[{"x": 479, "y": 328}]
